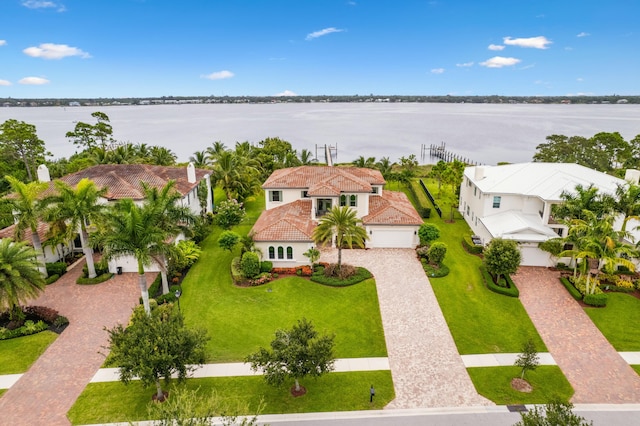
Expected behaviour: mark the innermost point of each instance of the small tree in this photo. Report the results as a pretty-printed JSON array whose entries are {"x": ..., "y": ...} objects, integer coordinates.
[
  {"x": 313, "y": 254},
  {"x": 228, "y": 240},
  {"x": 228, "y": 214},
  {"x": 555, "y": 413},
  {"x": 436, "y": 253},
  {"x": 250, "y": 264},
  {"x": 502, "y": 257},
  {"x": 428, "y": 232},
  {"x": 528, "y": 359},
  {"x": 294, "y": 354},
  {"x": 156, "y": 346}
]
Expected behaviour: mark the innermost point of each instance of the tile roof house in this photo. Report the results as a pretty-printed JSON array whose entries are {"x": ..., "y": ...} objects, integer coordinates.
[
  {"x": 297, "y": 197},
  {"x": 124, "y": 181},
  {"x": 514, "y": 201}
]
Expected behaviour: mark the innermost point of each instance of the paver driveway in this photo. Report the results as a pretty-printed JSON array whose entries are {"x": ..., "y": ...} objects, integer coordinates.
[
  {"x": 48, "y": 390},
  {"x": 426, "y": 367}
]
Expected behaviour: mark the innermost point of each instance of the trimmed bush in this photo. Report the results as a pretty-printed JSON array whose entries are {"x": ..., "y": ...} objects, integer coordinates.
[
  {"x": 102, "y": 267},
  {"x": 236, "y": 272},
  {"x": 470, "y": 247},
  {"x": 360, "y": 275},
  {"x": 250, "y": 264},
  {"x": 433, "y": 271},
  {"x": 266, "y": 266},
  {"x": 597, "y": 300},
  {"x": 511, "y": 291},
  {"x": 56, "y": 268},
  {"x": 423, "y": 252},
  {"x": 427, "y": 233},
  {"x": 574, "y": 292},
  {"x": 437, "y": 252},
  {"x": 97, "y": 280},
  {"x": 155, "y": 287},
  {"x": 51, "y": 279},
  {"x": 42, "y": 312}
]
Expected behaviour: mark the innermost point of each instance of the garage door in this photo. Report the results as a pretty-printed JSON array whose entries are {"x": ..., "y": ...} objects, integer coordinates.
[
  {"x": 387, "y": 238},
  {"x": 533, "y": 256}
]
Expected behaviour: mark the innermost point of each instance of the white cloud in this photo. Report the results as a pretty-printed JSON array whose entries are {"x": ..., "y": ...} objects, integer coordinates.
[
  {"x": 40, "y": 4},
  {"x": 437, "y": 71},
  {"x": 5, "y": 83},
  {"x": 35, "y": 81},
  {"x": 286, "y": 93},
  {"x": 54, "y": 51},
  {"x": 496, "y": 47},
  {"x": 539, "y": 42},
  {"x": 583, "y": 34},
  {"x": 499, "y": 62},
  {"x": 323, "y": 32},
  {"x": 580, "y": 79},
  {"x": 3, "y": 42},
  {"x": 218, "y": 75},
  {"x": 465, "y": 64}
]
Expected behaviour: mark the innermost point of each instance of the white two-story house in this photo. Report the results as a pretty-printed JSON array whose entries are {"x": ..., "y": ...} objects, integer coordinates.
[
  {"x": 514, "y": 201},
  {"x": 296, "y": 199}
]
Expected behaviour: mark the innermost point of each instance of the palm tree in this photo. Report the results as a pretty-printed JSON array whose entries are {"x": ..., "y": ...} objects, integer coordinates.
[
  {"x": 200, "y": 159},
  {"x": 77, "y": 207},
  {"x": 342, "y": 224},
  {"x": 627, "y": 203},
  {"x": 161, "y": 156},
  {"x": 170, "y": 216},
  {"x": 215, "y": 151},
  {"x": 385, "y": 166},
  {"x": 20, "y": 278},
  {"x": 369, "y": 163},
  {"x": 131, "y": 230},
  {"x": 584, "y": 199},
  {"x": 27, "y": 209},
  {"x": 236, "y": 175},
  {"x": 306, "y": 157}
]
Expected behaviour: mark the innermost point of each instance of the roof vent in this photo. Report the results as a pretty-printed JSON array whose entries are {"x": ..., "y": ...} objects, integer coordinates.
[
  {"x": 479, "y": 173},
  {"x": 43, "y": 173}
]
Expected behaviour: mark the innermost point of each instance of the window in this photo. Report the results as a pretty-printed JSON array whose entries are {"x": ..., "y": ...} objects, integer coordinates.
[
  {"x": 353, "y": 201},
  {"x": 343, "y": 200},
  {"x": 559, "y": 231},
  {"x": 496, "y": 201},
  {"x": 567, "y": 247},
  {"x": 305, "y": 194},
  {"x": 289, "y": 252},
  {"x": 280, "y": 253},
  {"x": 374, "y": 190},
  {"x": 272, "y": 252},
  {"x": 468, "y": 210},
  {"x": 475, "y": 191},
  {"x": 275, "y": 196}
]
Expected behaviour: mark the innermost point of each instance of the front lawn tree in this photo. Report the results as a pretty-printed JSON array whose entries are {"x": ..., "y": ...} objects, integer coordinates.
[
  {"x": 228, "y": 240},
  {"x": 528, "y": 359},
  {"x": 502, "y": 257},
  {"x": 228, "y": 214},
  {"x": 427, "y": 233},
  {"x": 342, "y": 224},
  {"x": 313, "y": 254},
  {"x": 153, "y": 347},
  {"x": 295, "y": 354}
]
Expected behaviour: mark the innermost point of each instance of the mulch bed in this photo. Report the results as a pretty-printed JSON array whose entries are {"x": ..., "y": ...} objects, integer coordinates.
[
  {"x": 521, "y": 385},
  {"x": 297, "y": 393}
]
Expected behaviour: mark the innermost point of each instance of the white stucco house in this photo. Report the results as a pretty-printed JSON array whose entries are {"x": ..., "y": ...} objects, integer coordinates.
[
  {"x": 124, "y": 181},
  {"x": 297, "y": 197},
  {"x": 514, "y": 201}
]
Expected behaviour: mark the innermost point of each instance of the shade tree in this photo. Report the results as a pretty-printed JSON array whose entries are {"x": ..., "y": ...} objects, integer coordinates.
[{"x": 501, "y": 257}]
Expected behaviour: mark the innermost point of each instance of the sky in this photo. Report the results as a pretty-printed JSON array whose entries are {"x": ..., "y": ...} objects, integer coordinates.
[{"x": 153, "y": 48}]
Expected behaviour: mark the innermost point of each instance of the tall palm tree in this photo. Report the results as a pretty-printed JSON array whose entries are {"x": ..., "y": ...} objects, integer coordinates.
[
  {"x": 584, "y": 199},
  {"x": 306, "y": 157},
  {"x": 161, "y": 156},
  {"x": 200, "y": 159},
  {"x": 627, "y": 203},
  {"x": 385, "y": 167},
  {"x": 77, "y": 206},
  {"x": 369, "y": 163},
  {"x": 20, "y": 279},
  {"x": 215, "y": 151},
  {"x": 131, "y": 230},
  {"x": 170, "y": 216},
  {"x": 342, "y": 224},
  {"x": 236, "y": 175},
  {"x": 28, "y": 209}
]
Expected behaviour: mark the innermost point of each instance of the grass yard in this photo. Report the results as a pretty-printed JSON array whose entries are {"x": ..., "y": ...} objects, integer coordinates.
[
  {"x": 494, "y": 383},
  {"x": 240, "y": 320},
  {"x": 114, "y": 402},
  {"x": 636, "y": 368},
  {"x": 618, "y": 321},
  {"x": 480, "y": 321},
  {"x": 17, "y": 355}
]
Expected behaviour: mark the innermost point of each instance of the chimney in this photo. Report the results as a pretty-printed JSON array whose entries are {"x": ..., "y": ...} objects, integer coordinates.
[
  {"x": 191, "y": 173},
  {"x": 43, "y": 173},
  {"x": 632, "y": 176},
  {"x": 479, "y": 173}
]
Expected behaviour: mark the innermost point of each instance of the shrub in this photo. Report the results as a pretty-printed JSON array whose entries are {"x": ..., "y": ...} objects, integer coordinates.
[
  {"x": 428, "y": 232},
  {"x": 250, "y": 264},
  {"x": 56, "y": 268},
  {"x": 228, "y": 213},
  {"x": 42, "y": 312},
  {"x": 266, "y": 266},
  {"x": 236, "y": 272},
  {"x": 360, "y": 275},
  {"x": 511, "y": 291},
  {"x": 154, "y": 288},
  {"x": 432, "y": 271},
  {"x": 263, "y": 278},
  {"x": 102, "y": 267},
  {"x": 574, "y": 292},
  {"x": 469, "y": 246},
  {"x": 51, "y": 279},
  {"x": 598, "y": 300},
  {"x": 60, "y": 321},
  {"x": 437, "y": 251},
  {"x": 343, "y": 272},
  {"x": 28, "y": 328},
  {"x": 97, "y": 280},
  {"x": 423, "y": 252},
  {"x": 186, "y": 254}
]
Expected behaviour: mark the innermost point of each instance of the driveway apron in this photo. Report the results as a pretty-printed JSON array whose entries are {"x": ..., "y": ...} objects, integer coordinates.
[
  {"x": 592, "y": 366},
  {"x": 426, "y": 367},
  {"x": 47, "y": 391}
]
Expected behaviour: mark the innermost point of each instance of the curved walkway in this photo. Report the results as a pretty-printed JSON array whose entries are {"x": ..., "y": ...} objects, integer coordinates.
[
  {"x": 596, "y": 371},
  {"x": 426, "y": 367},
  {"x": 45, "y": 393}
]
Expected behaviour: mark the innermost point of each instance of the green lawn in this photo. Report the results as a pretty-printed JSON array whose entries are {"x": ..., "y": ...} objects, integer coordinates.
[
  {"x": 494, "y": 383},
  {"x": 115, "y": 402},
  {"x": 17, "y": 355},
  {"x": 636, "y": 368},
  {"x": 618, "y": 321},
  {"x": 240, "y": 320},
  {"x": 480, "y": 321}
]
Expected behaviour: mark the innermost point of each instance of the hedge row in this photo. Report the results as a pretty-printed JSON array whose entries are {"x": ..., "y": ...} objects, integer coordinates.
[
  {"x": 597, "y": 300},
  {"x": 51, "y": 279},
  {"x": 571, "y": 289},
  {"x": 97, "y": 280},
  {"x": 511, "y": 290},
  {"x": 469, "y": 246},
  {"x": 360, "y": 275},
  {"x": 56, "y": 268},
  {"x": 423, "y": 211},
  {"x": 441, "y": 271}
]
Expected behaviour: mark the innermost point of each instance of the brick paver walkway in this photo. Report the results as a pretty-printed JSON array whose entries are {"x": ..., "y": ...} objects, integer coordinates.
[
  {"x": 592, "y": 366},
  {"x": 48, "y": 390},
  {"x": 426, "y": 367}
]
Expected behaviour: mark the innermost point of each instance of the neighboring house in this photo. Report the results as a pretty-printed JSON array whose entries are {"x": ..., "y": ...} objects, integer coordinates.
[
  {"x": 124, "y": 181},
  {"x": 514, "y": 201},
  {"x": 296, "y": 199}
]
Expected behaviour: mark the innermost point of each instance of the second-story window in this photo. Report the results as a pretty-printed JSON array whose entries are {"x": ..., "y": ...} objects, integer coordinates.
[
  {"x": 496, "y": 201},
  {"x": 275, "y": 196},
  {"x": 343, "y": 200},
  {"x": 353, "y": 200},
  {"x": 305, "y": 194},
  {"x": 374, "y": 190}
]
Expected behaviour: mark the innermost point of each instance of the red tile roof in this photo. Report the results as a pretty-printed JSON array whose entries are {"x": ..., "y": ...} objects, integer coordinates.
[
  {"x": 392, "y": 208},
  {"x": 9, "y": 232},
  {"x": 289, "y": 222},
  {"x": 325, "y": 180}
]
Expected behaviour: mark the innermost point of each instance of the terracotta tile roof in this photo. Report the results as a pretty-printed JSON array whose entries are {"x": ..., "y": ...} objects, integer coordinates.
[
  {"x": 290, "y": 222},
  {"x": 325, "y": 180},
  {"x": 9, "y": 232},
  {"x": 123, "y": 180},
  {"x": 391, "y": 208}
]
